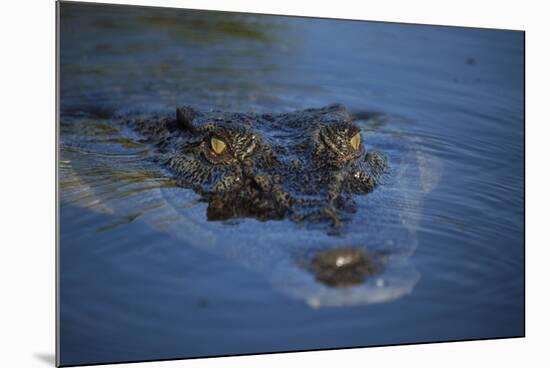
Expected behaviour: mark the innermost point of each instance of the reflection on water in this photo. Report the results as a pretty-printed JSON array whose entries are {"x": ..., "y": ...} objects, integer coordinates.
[{"x": 437, "y": 251}]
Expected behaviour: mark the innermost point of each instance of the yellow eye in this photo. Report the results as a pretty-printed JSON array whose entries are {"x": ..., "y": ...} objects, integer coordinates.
[
  {"x": 218, "y": 146},
  {"x": 355, "y": 141}
]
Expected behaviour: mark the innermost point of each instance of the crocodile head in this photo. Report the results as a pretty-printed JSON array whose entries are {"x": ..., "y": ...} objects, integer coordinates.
[{"x": 304, "y": 165}]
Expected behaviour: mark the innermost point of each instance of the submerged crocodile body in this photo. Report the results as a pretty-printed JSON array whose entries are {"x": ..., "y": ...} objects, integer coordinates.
[{"x": 336, "y": 220}]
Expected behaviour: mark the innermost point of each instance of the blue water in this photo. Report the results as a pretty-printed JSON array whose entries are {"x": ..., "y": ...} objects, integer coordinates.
[{"x": 143, "y": 275}]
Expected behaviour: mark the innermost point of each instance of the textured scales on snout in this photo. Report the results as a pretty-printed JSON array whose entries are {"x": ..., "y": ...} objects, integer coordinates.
[{"x": 305, "y": 165}]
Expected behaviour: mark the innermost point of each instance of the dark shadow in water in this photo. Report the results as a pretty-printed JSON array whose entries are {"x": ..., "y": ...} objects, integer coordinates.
[{"x": 46, "y": 358}]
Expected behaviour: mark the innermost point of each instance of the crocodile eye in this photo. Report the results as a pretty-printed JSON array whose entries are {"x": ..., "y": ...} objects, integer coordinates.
[
  {"x": 355, "y": 141},
  {"x": 218, "y": 146}
]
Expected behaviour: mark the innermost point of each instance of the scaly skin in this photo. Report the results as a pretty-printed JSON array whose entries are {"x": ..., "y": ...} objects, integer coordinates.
[{"x": 300, "y": 165}]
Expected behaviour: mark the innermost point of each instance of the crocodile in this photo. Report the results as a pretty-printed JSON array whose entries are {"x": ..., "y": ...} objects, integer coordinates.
[
  {"x": 304, "y": 165},
  {"x": 305, "y": 198}
]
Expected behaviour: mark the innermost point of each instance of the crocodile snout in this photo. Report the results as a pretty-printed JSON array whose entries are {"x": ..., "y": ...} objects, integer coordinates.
[{"x": 344, "y": 267}]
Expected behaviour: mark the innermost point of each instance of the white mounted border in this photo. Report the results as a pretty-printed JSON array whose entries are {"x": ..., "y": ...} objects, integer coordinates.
[{"x": 28, "y": 162}]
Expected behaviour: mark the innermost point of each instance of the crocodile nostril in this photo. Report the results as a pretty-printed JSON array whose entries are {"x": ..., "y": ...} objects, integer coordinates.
[{"x": 344, "y": 267}]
